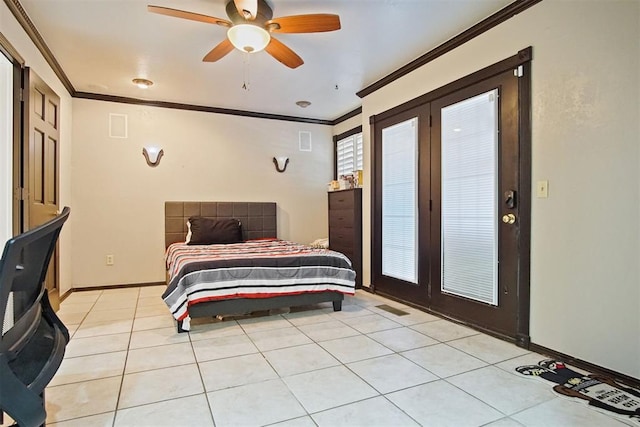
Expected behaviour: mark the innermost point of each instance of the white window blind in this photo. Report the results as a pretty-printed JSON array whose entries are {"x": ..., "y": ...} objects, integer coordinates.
[
  {"x": 399, "y": 201},
  {"x": 349, "y": 154},
  {"x": 469, "y": 206}
]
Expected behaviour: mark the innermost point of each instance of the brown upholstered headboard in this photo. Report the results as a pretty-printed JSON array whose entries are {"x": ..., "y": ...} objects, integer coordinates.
[{"x": 258, "y": 218}]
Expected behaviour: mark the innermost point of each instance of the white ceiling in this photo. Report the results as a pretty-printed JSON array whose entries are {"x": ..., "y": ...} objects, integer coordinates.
[{"x": 103, "y": 44}]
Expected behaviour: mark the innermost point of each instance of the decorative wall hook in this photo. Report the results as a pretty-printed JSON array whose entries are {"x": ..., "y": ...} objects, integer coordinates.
[
  {"x": 281, "y": 163},
  {"x": 152, "y": 155}
]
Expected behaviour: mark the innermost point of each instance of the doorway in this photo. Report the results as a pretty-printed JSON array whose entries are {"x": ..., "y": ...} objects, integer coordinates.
[{"x": 452, "y": 176}]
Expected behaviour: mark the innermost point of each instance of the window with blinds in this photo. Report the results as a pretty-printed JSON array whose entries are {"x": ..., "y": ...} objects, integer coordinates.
[
  {"x": 469, "y": 191},
  {"x": 349, "y": 155},
  {"x": 400, "y": 201}
]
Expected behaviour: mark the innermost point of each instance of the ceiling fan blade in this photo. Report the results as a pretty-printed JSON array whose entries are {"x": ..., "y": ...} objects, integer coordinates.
[
  {"x": 247, "y": 8},
  {"x": 315, "y": 23},
  {"x": 223, "y": 48},
  {"x": 283, "y": 54},
  {"x": 188, "y": 15}
]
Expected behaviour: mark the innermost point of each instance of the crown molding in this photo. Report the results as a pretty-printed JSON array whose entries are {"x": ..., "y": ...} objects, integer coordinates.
[
  {"x": 497, "y": 18},
  {"x": 347, "y": 116},
  {"x": 201, "y": 108},
  {"x": 23, "y": 19}
]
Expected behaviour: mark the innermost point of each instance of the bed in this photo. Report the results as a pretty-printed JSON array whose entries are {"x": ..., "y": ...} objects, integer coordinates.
[{"x": 259, "y": 273}]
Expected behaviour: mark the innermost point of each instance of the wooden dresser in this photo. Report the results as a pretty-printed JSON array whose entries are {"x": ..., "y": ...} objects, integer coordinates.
[{"x": 345, "y": 226}]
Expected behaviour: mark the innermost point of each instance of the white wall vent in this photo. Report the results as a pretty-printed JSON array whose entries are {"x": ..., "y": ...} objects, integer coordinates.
[
  {"x": 305, "y": 140},
  {"x": 117, "y": 125}
]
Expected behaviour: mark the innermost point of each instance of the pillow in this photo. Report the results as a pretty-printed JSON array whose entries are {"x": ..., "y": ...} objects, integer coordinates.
[
  {"x": 188, "y": 238},
  {"x": 320, "y": 243},
  {"x": 205, "y": 231}
]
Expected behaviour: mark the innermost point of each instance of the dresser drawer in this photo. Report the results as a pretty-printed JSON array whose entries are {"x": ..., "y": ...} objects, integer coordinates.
[
  {"x": 341, "y": 218},
  {"x": 341, "y": 200},
  {"x": 341, "y": 237}
]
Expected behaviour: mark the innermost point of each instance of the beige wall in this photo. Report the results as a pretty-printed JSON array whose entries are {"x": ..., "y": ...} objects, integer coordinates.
[
  {"x": 33, "y": 59},
  {"x": 585, "y": 274},
  {"x": 118, "y": 200}
]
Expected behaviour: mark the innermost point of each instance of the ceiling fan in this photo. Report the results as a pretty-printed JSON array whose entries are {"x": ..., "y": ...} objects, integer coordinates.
[{"x": 250, "y": 26}]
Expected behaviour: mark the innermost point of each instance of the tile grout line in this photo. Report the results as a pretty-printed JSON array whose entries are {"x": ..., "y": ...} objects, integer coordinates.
[
  {"x": 204, "y": 387},
  {"x": 124, "y": 367}
]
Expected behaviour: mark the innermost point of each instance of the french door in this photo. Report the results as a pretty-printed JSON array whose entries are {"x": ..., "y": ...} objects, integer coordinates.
[
  {"x": 450, "y": 203},
  {"x": 475, "y": 227}
]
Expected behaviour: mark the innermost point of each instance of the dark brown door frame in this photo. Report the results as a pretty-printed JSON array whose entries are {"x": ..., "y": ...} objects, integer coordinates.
[
  {"x": 18, "y": 202},
  {"x": 522, "y": 60},
  {"x": 18, "y": 65}
]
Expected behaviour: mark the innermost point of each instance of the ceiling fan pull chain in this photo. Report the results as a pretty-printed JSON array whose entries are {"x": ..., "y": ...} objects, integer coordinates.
[{"x": 247, "y": 77}]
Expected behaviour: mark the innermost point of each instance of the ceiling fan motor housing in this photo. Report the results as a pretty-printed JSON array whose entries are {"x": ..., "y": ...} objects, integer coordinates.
[{"x": 265, "y": 13}]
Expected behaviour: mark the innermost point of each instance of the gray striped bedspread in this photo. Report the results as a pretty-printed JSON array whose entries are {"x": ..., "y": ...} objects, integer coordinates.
[{"x": 252, "y": 269}]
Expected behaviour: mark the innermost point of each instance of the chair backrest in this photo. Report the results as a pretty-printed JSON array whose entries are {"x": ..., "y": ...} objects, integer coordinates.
[{"x": 23, "y": 268}]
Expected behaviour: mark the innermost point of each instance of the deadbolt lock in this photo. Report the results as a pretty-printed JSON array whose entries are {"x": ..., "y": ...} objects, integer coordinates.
[{"x": 509, "y": 218}]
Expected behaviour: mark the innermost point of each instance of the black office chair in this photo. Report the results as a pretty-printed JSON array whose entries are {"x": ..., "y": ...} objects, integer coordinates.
[{"x": 31, "y": 350}]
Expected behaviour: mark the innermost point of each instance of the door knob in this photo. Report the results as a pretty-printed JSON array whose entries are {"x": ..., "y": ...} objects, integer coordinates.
[{"x": 509, "y": 218}]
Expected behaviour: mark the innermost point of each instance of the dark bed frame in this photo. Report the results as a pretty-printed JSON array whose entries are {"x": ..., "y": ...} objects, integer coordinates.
[{"x": 258, "y": 221}]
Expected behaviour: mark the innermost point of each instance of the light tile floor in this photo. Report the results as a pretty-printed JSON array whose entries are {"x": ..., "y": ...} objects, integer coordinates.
[{"x": 127, "y": 366}]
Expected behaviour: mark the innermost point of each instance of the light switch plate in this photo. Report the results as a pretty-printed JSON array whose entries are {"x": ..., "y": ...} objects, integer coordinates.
[{"x": 542, "y": 189}]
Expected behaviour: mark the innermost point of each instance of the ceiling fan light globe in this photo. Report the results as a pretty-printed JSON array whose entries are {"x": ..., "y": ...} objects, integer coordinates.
[{"x": 248, "y": 38}]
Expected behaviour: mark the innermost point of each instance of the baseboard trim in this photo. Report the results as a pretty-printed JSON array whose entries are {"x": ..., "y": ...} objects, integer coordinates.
[
  {"x": 587, "y": 366},
  {"x": 107, "y": 287},
  {"x": 65, "y": 295}
]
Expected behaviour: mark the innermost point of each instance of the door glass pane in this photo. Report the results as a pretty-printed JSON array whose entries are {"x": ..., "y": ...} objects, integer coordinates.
[
  {"x": 469, "y": 253},
  {"x": 399, "y": 201}
]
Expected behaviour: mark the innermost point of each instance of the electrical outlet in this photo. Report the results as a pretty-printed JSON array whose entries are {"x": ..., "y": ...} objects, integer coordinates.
[{"x": 109, "y": 259}]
